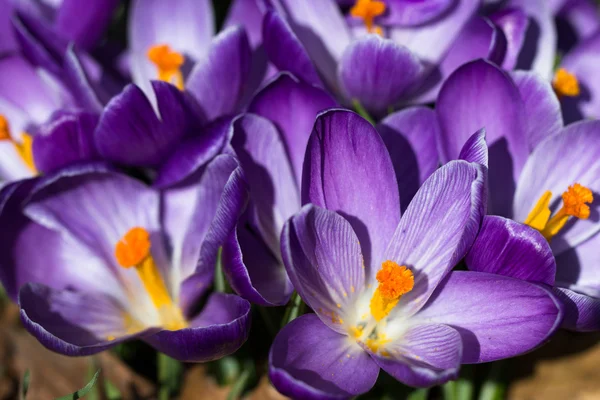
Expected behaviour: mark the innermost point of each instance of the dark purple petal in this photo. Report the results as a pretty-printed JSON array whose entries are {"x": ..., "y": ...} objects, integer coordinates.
[
  {"x": 130, "y": 122},
  {"x": 508, "y": 248},
  {"x": 219, "y": 330},
  {"x": 410, "y": 136},
  {"x": 378, "y": 72},
  {"x": 65, "y": 140},
  {"x": 193, "y": 153},
  {"x": 480, "y": 95},
  {"x": 475, "y": 149},
  {"x": 582, "y": 313},
  {"x": 219, "y": 80},
  {"x": 557, "y": 163},
  {"x": 542, "y": 108},
  {"x": 84, "y": 22},
  {"x": 310, "y": 361},
  {"x": 8, "y": 42},
  {"x": 514, "y": 24},
  {"x": 411, "y": 13},
  {"x": 497, "y": 316},
  {"x": 426, "y": 355},
  {"x": 348, "y": 169},
  {"x": 285, "y": 51},
  {"x": 323, "y": 260},
  {"x": 72, "y": 323},
  {"x": 437, "y": 229},
  {"x": 249, "y": 14},
  {"x": 85, "y": 93},
  {"x": 293, "y": 107}
]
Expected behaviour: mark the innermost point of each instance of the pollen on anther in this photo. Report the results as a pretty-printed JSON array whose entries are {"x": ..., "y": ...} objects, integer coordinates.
[
  {"x": 575, "y": 201},
  {"x": 394, "y": 280},
  {"x": 133, "y": 247},
  {"x": 4, "y": 128},
  {"x": 565, "y": 83}
]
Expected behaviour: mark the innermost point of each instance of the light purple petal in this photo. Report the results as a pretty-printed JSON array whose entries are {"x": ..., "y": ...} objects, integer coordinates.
[
  {"x": 497, "y": 317},
  {"x": 249, "y": 14},
  {"x": 293, "y": 107},
  {"x": 509, "y": 248},
  {"x": 557, "y": 163},
  {"x": 378, "y": 72},
  {"x": 411, "y": 13},
  {"x": 542, "y": 108},
  {"x": 582, "y": 16},
  {"x": 286, "y": 51},
  {"x": 348, "y": 169},
  {"x": 323, "y": 260},
  {"x": 310, "y": 361},
  {"x": 582, "y": 313},
  {"x": 514, "y": 24},
  {"x": 437, "y": 229},
  {"x": 219, "y": 330},
  {"x": 218, "y": 82},
  {"x": 475, "y": 149},
  {"x": 578, "y": 267},
  {"x": 480, "y": 95},
  {"x": 86, "y": 94},
  {"x": 84, "y": 22},
  {"x": 410, "y": 136},
  {"x": 426, "y": 355}
]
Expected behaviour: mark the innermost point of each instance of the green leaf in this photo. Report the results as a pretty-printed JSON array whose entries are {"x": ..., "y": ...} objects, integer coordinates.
[
  {"x": 169, "y": 374},
  {"x": 24, "y": 385},
  {"x": 83, "y": 391}
]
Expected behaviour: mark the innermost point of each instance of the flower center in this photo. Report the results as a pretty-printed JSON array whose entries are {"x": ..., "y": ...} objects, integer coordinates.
[
  {"x": 133, "y": 251},
  {"x": 368, "y": 10},
  {"x": 168, "y": 62},
  {"x": 24, "y": 148},
  {"x": 565, "y": 84},
  {"x": 575, "y": 204},
  {"x": 394, "y": 281}
]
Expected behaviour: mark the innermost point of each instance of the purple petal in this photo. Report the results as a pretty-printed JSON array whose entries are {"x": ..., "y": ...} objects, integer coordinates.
[
  {"x": 437, "y": 229},
  {"x": 323, "y": 260},
  {"x": 480, "y": 95},
  {"x": 65, "y": 140},
  {"x": 293, "y": 107},
  {"x": 411, "y": 13},
  {"x": 378, "y": 72},
  {"x": 541, "y": 106},
  {"x": 72, "y": 323},
  {"x": 348, "y": 170},
  {"x": 558, "y": 162},
  {"x": 85, "y": 93},
  {"x": 431, "y": 42},
  {"x": 578, "y": 267},
  {"x": 8, "y": 41},
  {"x": 475, "y": 149},
  {"x": 310, "y": 361},
  {"x": 218, "y": 82},
  {"x": 508, "y": 248},
  {"x": 271, "y": 180},
  {"x": 130, "y": 122},
  {"x": 582, "y": 313},
  {"x": 514, "y": 24},
  {"x": 426, "y": 355},
  {"x": 219, "y": 330},
  {"x": 581, "y": 15},
  {"x": 84, "y": 22},
  {"x": 193, "y": 153},
  {"x": 410, "y": 136},
  {"x": 249, "y": 14},
  {"x": 285, "y": 51},
  {"x": 497, "y": 317}
]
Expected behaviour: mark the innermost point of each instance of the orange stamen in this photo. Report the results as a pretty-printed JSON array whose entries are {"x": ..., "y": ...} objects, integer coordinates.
[
  {"x": 133, "y": 248},
  {"x": 368, "y": 10},
  {"x": 565, "y": 84},
  {"x": 24, "y": 147},
  {"x": 394, "y": 281},
  {"x": 168, "y": 62}
]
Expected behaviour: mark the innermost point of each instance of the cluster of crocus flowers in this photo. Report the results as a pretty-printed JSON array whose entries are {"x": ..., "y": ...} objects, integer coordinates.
[{"x": 460, "y": 229}]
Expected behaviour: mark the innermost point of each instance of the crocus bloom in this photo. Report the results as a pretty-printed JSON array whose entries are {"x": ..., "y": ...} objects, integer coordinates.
[
  {"x": 541, "y": 174},
  {"x": 384, "y": 52},
  {"x": 96, "y": 257},
  {"x": 380, "y": 284}
]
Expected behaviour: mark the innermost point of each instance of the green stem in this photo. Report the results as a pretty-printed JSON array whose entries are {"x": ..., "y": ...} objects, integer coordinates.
[
  {"x": 464, "y": 384},
  {"x": 362, "y": 112},
  {"x": 293, "y": 310},
  {"x": 494, "y": 386},
  {"x": 418, "y": 394},
  {"x": 449, "y": 390},
  {"x": 219, "y": 277},
  {"x": 169, "y": 371},
  {"x": 240, "y": 384}
]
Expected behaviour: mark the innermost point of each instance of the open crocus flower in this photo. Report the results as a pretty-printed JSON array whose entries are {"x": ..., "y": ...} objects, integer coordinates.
[
  {"x": 541, "y": 174},
  {"x": 383, "y": 52},
  {"x": 270, "y": 143},
  {"x": 380, "y": 284},
  {"x": 96, "y": 258}
]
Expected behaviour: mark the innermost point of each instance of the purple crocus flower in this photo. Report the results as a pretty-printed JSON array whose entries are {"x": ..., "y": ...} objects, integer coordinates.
[
  {"x": 541, "y": 174},
  {"x": 96, "y": 258},
  {"x": 270, "y": 142},
  {"x": 380, "y": 283},
  {"x": 384, "y": 52}
]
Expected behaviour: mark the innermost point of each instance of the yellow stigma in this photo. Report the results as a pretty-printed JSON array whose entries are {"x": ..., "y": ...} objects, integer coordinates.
[
  {"x": 168, "y": 62},
  {"x": 24, "y": 148},
  {"x": 133, "y": 250},
  {"x": 575, "y": 204},
  {"x": 565, "y": 84},
  {"x": 368, "y": 10},
  {"x": 394, "y": 281}
]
